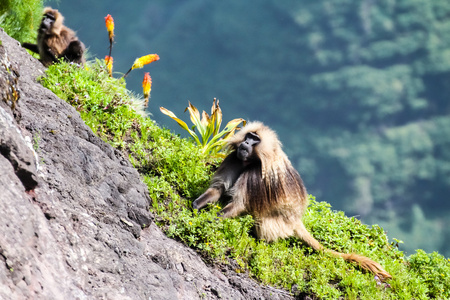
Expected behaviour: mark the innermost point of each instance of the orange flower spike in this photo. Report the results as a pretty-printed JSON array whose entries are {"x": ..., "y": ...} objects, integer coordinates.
[
  {"x": 109, "y": 22},
  {"x": 147, "y": 86},
  {"x": 144, "y": 60},
  {"x": 109, "y": 64}
]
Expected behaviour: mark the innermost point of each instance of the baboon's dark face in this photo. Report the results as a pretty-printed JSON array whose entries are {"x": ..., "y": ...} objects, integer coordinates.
[
  {"x": 47, "y": 23},
  {"x": 245, "y": 150}
]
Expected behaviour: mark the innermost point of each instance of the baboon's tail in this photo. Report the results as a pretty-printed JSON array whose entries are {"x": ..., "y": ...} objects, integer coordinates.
[
  {"x": 365, "y": 263},
  {"x": 362, "y": 261}
]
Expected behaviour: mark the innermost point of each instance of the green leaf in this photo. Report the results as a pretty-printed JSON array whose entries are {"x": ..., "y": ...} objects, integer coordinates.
[
  {"x": 180, "y": 122},
  {"x": 195, "y": 119}
]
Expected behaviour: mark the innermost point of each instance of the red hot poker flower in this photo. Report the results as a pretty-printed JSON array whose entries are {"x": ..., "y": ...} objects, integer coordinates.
[
  {"x": 109, "y": 64},
  {"x": 141, "y": 62},
  {"x": 109, "y": 21},
  {"x": 147, "y": 86},
  {"x": 144, "y": 60}
]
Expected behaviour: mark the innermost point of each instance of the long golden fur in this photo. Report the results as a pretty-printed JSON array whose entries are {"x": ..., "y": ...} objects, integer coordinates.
[
  {"x": 56, "y": 41},
  {"x": 271, "y": 190}
]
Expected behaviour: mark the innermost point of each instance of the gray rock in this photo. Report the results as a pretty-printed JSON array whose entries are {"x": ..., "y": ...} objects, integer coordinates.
[{"x": 74, "y": 216}]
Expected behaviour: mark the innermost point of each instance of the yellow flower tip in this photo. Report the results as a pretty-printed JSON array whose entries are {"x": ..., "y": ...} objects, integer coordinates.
[
  {"x": 147, "y": 85},
  {"x": 144, "y": 60},
  {"x": 109, "y": 22},
  {"x": 190, "y": 223}
]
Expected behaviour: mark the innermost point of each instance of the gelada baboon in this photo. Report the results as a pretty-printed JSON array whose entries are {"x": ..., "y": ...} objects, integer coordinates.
[
  {"x": 55, "y": 41},
  {"x": 259, "y": 180}
]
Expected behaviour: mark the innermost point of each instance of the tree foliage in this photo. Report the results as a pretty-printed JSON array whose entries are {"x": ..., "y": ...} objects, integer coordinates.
[{"x": 378, "y": 94}]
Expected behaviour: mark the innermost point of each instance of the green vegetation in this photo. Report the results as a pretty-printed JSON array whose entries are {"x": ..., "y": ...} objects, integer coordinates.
[
  {"x": 176, "y": 171},
  {"x": 20, "y": 18}
]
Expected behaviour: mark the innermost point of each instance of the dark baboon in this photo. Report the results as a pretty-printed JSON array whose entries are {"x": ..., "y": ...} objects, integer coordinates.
[
  {"x": 55, "y": 41},
  {"x": 260, "y": 180}
]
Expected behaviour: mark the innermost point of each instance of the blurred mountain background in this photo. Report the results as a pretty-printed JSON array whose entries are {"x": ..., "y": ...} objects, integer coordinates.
[{"x": 358, "y": 91}]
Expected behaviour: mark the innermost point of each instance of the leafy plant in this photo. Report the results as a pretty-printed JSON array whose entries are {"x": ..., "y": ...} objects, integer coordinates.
[{"x": 211, "y": 139}]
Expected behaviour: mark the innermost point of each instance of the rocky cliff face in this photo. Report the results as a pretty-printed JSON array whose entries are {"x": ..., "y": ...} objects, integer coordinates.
[{"x": 74, "y": 219}]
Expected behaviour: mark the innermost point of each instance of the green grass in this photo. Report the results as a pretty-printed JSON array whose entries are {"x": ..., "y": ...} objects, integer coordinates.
[
  {"x": 176, "y": 172},
  {"x": 20, "y": 18}
]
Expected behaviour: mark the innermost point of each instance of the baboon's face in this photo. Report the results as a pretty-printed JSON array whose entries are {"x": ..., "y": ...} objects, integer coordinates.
[
  {"x": 245, "y": 150},
  {"x": 47, "y": 22}
]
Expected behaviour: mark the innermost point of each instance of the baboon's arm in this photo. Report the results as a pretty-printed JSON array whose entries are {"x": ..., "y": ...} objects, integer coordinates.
[
  {"x": 211, "y": 195},
  {"x": 31, "y": 47}
]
